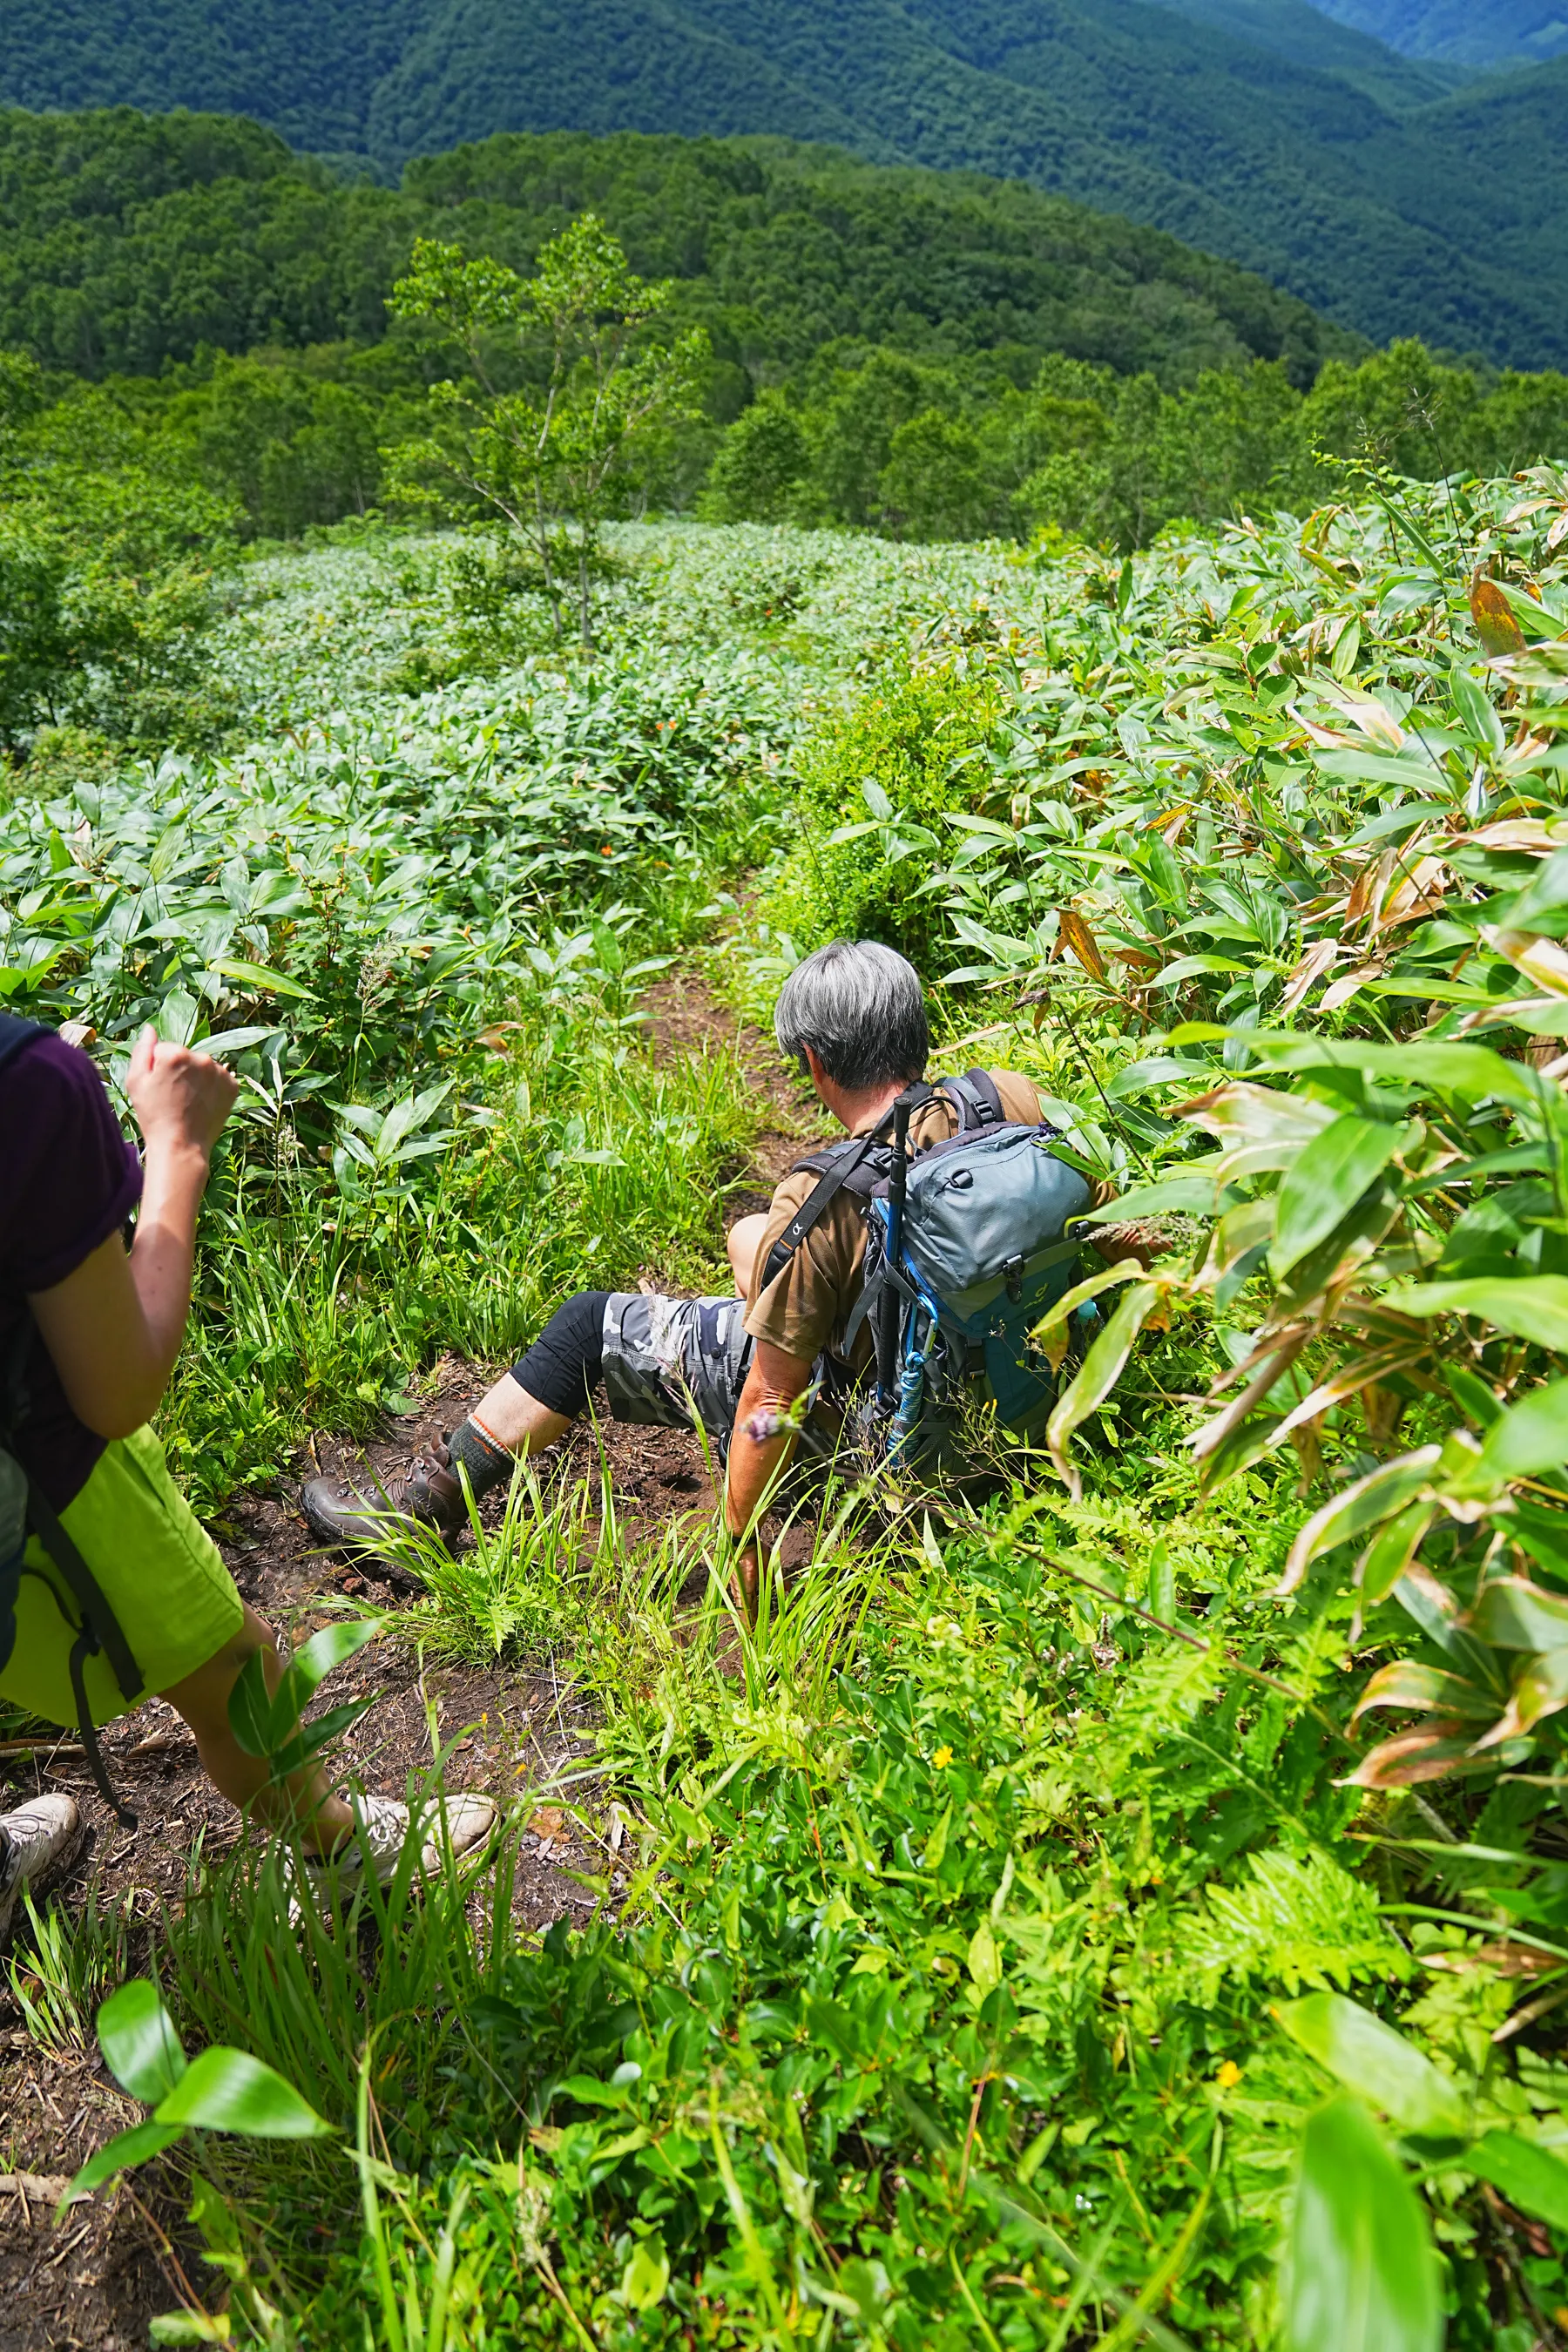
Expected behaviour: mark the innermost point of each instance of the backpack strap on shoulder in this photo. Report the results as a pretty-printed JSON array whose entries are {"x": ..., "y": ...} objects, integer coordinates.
[
  {"x": 842, "y": 1163},
  {"x": 977, "y": 1100},
  {"x": 837, "y": 1169}
]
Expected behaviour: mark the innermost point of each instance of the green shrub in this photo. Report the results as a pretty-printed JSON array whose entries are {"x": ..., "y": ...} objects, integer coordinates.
[
  {"x": 760, "y": 464},
  {"x": 912, "y": 738}
]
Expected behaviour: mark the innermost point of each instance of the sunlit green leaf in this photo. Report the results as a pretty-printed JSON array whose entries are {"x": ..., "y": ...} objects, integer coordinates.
[
  {"x": 317, "y": 1658},
  {"x": 261, "y": 980},
  {"x": 1364, "y": 1504},
  {"x": 116, "y": 2155},
  {"x": 1534, "y": 1306},
  {"x": 140, "y": 2045},
  {"x": 227, "y": 2090},
  {"x": 1361, "y": 2275},
  {"x": 1324, "y": 1183},
  {"x": 1099, "y": 1373},
  {"x": 1529, "y": 2176},
  {"x": 1371, "y": 2058},
  {"x": 1530, "y": 1437}
]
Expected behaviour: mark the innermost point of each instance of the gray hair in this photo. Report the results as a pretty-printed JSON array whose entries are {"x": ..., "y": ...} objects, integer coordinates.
[{"x": 860, "y": 1007}]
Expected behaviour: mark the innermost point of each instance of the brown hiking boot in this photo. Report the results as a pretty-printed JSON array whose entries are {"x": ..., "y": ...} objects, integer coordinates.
[{"x": 359, "y": 1514}]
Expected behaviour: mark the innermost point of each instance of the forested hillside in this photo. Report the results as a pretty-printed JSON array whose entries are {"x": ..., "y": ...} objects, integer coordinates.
[
  {"x": 1456, "y": 31},
  {"x": 1301, "y": 31},
  {"x": 127, "y": 243},
  {"x": 934, "y": 356},
  {"x": 1335, "y": 171}
]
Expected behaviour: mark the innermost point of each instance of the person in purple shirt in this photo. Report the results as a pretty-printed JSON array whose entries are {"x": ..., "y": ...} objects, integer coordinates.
[{"x": 90, "y": 1329}]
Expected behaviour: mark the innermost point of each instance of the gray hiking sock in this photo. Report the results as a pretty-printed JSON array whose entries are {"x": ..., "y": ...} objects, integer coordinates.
[{"x": 486, "y": 1463}]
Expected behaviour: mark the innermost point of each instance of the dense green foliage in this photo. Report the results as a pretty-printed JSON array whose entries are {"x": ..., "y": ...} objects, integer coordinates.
[
  {"x": 934, "y": 453},
  {"x": 1015, "y": 1941},
  {"x": 106, "y": 585},
  {"x": 551, "y": 456},
  {"x": 1393, "y": 211},
  {"x": 1310, "y": 35},
  {"x": 938, "y": 358}
]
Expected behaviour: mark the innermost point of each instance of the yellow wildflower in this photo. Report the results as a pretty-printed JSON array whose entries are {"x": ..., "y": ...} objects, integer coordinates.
[
  {"x": 1229, "y": 2076},
  {"x": 943, "y": 1756}
]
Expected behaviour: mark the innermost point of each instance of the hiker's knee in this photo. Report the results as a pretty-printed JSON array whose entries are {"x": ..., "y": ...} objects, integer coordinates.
[
  {"x": 742, "y": 1242},
  {"x": 563, "y": 1366},
  {"x": 202, "y": 1698}
]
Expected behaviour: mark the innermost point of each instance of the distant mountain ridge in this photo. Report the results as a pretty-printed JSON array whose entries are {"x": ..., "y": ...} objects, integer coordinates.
[
  {"x": 131, "y": 243},
  {"x": 1256, "y": 130},
  {"x": 1460, "y": 32},
  {"x": 1305, "y": 33}
]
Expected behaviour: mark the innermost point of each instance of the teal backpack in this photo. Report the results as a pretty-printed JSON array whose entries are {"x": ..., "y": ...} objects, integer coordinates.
[{"x": 968, "y": 1245}]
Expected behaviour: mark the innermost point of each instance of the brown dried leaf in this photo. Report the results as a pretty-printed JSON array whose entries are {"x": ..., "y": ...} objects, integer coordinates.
[
  {"x": 1414, "y": 896},
  {"x": 1309, "y": 1454},
  {"x": 1074, "y": 933},
  {"x": 1361, "y": 896},
  {"x": 1492, "y": 613},
  {"x": 1340, "y": 992},
  {"x": 1214, "y": 1432},
  {"x": 1344, "y": 1383},
  {"x": 1383, "y": 1410},
  {"x": 1517, "y": 1960},
  {"x": 1427, "y": 1690},
  {"x": 1412, "y": 1757},
  {"x": 1308, "y": 973}
]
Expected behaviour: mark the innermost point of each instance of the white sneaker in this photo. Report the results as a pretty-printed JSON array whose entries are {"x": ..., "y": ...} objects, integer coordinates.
[
  {"x": 383, "y": 1828},
  {"x": 34, "y": 1840}
]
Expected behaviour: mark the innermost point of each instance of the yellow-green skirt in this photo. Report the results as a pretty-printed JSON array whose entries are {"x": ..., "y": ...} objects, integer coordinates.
[{"x": 161, "y": 1575}]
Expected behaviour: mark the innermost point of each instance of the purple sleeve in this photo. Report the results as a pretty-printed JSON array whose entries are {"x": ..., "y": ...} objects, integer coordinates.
[{"x": 67, "y": 1177}]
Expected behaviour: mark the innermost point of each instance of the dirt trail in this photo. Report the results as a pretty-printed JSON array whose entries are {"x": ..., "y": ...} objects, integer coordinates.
[
  {"x": 96, "y": 2280},
  {"x": 684, "y": 1016}
]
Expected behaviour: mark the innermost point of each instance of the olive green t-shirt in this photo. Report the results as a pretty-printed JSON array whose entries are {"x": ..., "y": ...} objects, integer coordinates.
[{"x": 804, "y": 1308}]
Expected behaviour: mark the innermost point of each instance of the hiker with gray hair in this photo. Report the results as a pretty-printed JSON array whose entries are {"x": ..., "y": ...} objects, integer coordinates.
[{"x": 853, "y": 1018}]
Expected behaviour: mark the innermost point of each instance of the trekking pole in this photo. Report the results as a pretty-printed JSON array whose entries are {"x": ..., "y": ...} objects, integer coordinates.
[
  {"x": 887, "y": 1317},
  {"x": 898, "y": 1183}
]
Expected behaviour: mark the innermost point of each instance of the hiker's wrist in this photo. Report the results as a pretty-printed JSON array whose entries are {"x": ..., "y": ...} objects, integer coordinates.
[{"x": 177, "y": 1161}]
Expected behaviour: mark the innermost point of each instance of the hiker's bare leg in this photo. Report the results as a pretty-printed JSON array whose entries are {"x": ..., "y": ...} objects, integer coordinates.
[
  {"x": 508, "y": 1424},
  {"x": 202, "y": 1699},
  {"x": 742, "y": 1241},
  {"x": 512, "y": 1418}
]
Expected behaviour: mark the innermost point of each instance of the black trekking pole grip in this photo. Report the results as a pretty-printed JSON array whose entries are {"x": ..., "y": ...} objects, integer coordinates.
[{"x": 898, "y": 1181}]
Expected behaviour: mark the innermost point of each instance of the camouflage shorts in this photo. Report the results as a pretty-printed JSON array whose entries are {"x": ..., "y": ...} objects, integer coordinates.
[{"x": 678, "y": 1363}]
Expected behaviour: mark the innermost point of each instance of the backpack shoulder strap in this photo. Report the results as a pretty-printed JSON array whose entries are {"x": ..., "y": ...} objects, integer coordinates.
[
  {"x": 844, "y": 1166},
  {"x": 978, "y": 1102},
  {"x": 833, "y": 1171}
]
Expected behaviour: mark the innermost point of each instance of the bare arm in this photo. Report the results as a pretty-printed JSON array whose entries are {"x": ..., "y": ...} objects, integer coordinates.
[
  {"x": 773, "y": 1383},
  {"x": 113, "y": 1328}
]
